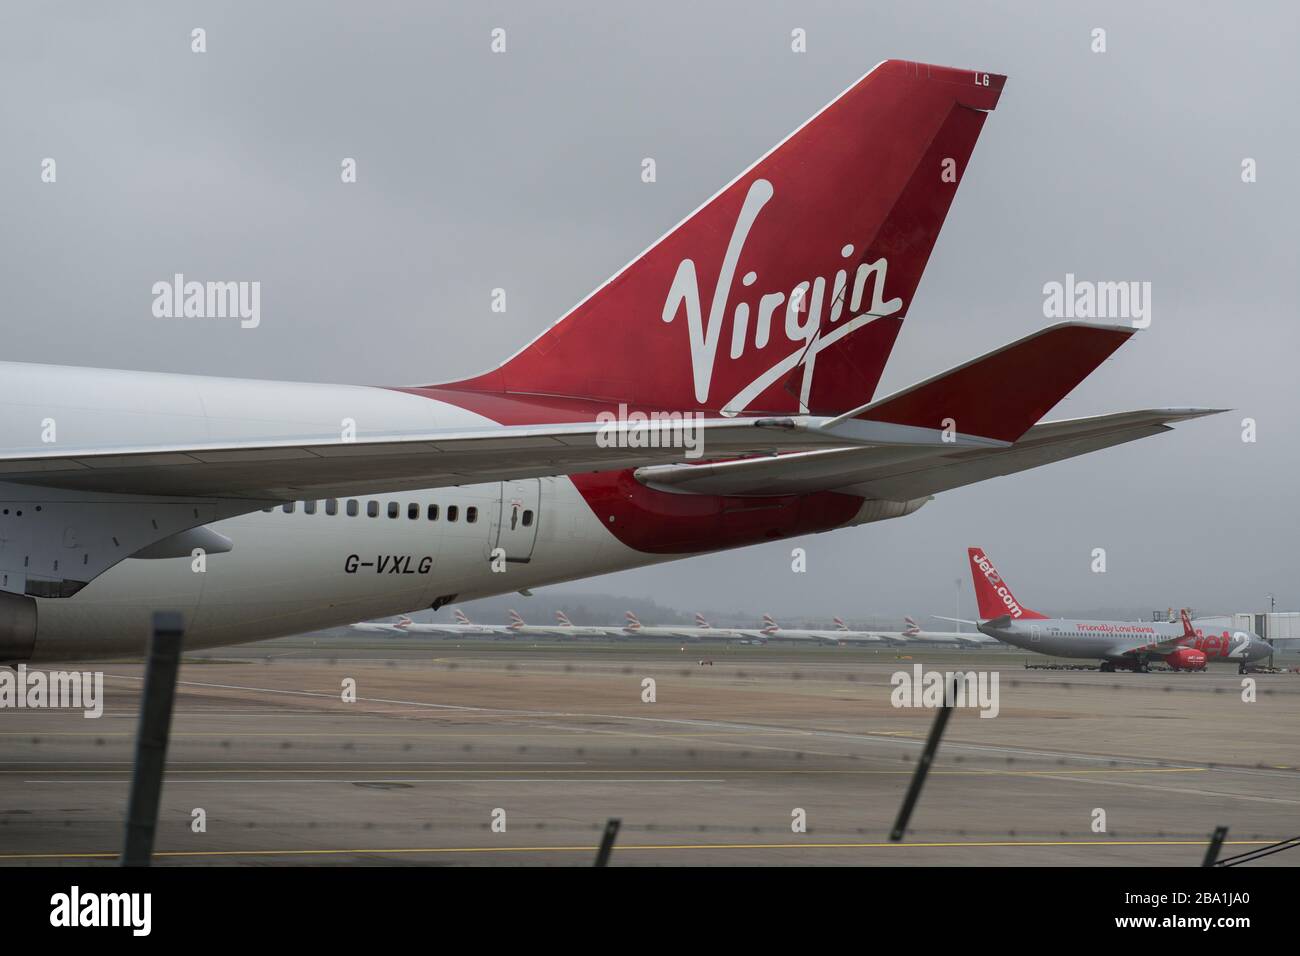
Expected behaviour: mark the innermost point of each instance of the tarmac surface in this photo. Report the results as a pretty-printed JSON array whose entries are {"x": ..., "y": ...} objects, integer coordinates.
[{"x": 448, "y": 742}]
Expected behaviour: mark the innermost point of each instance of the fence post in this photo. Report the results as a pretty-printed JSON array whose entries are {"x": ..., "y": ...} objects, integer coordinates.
[
  {"x": 923, "y": 765},
  {"x": 1216, "y": 841},
  {"x": 607, "y": 841},
  {"x": 151, "y": 738}
]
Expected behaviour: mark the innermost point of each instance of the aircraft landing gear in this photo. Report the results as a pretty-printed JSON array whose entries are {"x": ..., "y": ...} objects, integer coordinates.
[
  {"x": 1241, "y": 668},
  {"x": 1107, "y": 667}
]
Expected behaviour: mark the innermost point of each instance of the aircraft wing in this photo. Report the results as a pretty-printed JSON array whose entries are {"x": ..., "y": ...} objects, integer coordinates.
[
  {"x": 1138, "y": 646},
  {"x": 898, "y": 474},
  {"x": 319, "y": 466},
  {"x": 1167, "y": 646}
]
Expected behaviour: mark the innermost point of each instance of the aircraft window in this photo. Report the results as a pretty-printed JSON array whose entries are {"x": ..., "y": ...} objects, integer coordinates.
[
  {"x": 528, "y": 518},
  {"x": 412, "y": 511},
  {"x": 331, "y": 506},
  {"x": 394, "y": 509},
  {"x": 288, "y": 507},
  {"x": 453, "y": 512},
  {"x": 471, "y": 515},
  {"x": 352, "y": 508},
  {"x": 309, "y": 507},
  {"x": 433, "y": 513},
  {"x": 372, "y": 509}
]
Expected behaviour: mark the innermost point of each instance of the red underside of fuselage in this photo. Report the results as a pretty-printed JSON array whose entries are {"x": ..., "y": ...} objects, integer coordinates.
[{"x": 661, "y": 522}]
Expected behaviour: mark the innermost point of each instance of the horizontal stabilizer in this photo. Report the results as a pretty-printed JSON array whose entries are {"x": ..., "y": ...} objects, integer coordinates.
[
  {"x": 903, "y": 474},
  {"x": 1001, "y": 395}
]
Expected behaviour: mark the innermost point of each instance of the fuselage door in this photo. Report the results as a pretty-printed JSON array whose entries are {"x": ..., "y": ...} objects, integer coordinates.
[{"x": 517, "y": 524}]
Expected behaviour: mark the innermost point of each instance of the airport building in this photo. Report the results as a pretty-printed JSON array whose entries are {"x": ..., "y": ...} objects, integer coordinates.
[
  {"x": 1270, "y": 625},
  {"x": 1279, "y": 628}
]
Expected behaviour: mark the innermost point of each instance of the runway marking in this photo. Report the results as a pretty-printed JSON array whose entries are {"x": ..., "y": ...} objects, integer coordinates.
[
  {"x": 336, "y": 697},
  {"x": 1185, "y": 790},
  {"x": 622, "y": 848}
]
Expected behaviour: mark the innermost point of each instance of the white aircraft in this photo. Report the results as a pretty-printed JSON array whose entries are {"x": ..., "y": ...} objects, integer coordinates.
[
  {"x": 463, "y": 627},
  {"x": 840, "y": 634},
  {"x": 1117, "y": 645},
  {"x": 565, "y": 628},
  {"x": 717, "y": 392},
  {"x": 681, "y": 632},
  {"x": 704, "y": 631},
  {"x": 584, "y": 630},
  {"x": 914, "y": 634},
  {"x": 391, "y": 628}
]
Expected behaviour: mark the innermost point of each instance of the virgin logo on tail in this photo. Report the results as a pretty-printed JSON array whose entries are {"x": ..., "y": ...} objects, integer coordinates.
[{"x": 803, "y": 312}]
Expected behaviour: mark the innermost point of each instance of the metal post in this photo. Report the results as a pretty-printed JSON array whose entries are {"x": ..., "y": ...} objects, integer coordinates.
[
  {"x": 923, "y": 765},
  {"x": 1216, "y": 841},
  {"x": 1268, "y": 626},
  {"x": 151, "y": 738},
  {"x": 607, "y": 841}
]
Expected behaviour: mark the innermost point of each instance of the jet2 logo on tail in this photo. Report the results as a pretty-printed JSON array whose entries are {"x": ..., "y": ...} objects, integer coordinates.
[
  {"x": 999, "y": 589},
  {"x": 803, "y": 311}
]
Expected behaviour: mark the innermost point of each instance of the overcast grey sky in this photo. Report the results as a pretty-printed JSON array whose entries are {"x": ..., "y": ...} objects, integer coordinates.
[{"x": 522, "y": 171}]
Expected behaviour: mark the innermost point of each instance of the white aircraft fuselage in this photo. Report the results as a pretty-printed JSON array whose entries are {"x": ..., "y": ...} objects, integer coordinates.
[{"x": 293, "y": 571}]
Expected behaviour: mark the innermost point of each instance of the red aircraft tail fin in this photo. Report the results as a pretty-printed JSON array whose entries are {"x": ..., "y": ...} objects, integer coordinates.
[
  {"x": 808, "y": 260},
  {"x": 991, "y": 592}
]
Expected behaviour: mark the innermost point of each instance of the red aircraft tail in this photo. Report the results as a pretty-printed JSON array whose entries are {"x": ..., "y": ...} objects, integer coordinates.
[
  {"x": 991, "y": 592},
  {"x": 806, "y": 262}
]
